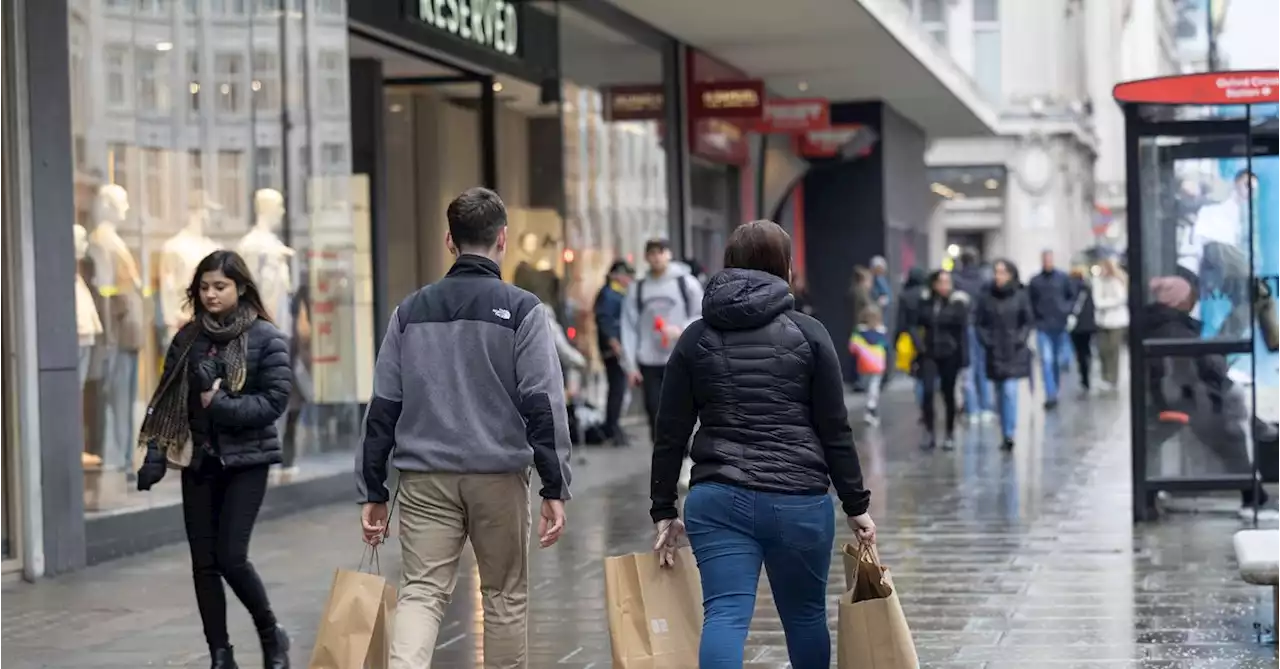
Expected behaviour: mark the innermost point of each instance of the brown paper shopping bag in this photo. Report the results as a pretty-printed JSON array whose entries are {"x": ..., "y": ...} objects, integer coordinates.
[
  {"x": 873, "y": 632},
  {"x": 655, "y": 613},
  {"x": 355, "y": 632}
]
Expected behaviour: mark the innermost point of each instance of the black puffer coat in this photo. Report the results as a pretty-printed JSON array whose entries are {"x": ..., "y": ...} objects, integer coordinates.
[
  {"x": 240, "y": 428},
  {"x": 941, "y": 328},
  {"x": 1003, "y": 322},
  {"x": 765, "y": 382}
]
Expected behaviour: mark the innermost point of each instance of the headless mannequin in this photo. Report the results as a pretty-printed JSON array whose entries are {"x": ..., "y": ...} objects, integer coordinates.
[
  {"x": 119, "y": 287},
  {"x": 88, "y": 323},
  {"x": 179, "y": 257},
  {"x": 268, "y": 258}
]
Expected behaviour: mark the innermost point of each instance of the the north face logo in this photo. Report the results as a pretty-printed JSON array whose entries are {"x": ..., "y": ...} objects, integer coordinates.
[{"x": 503, "y": 314}]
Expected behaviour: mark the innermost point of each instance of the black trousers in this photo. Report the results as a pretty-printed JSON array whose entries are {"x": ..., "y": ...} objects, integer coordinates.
[
  {"x": 1082, "y": 342},
  {"x": 616, "y": 377},
  {"x": 939, "y": 376},
  {"x": 219, "y": 508},
  {"x": 652, "y": 386}
]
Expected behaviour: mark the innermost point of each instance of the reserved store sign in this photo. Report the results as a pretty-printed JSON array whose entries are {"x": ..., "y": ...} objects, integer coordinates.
[{"x": 489, "y": 23}]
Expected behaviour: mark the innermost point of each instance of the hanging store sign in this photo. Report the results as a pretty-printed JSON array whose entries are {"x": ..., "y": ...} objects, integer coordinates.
[
  {"x": 827, "y": 143},
  {"x": 1210, "y": 88},
  {"x": 490, "y": 23},
  {"x": 792, "y": 116},
  {"x": 640, "y": 102},
  {"x": 727, "y": 99}
]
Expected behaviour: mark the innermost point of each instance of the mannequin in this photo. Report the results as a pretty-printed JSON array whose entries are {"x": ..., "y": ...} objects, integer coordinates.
[
  {"x": 179, "y": 257},
  {"x": 88, "y": 323},
  {"x": 268, "y": 258},
  {"x": 119, "y": 287}
]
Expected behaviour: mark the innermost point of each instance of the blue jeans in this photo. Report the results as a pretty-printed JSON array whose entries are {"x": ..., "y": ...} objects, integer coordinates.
[
  {"x": 977, "y": 392},
  {"x": 733, "y": 532},
  {"x": 1008, "y": 406},
  {"x": 1055, "y": 351}
]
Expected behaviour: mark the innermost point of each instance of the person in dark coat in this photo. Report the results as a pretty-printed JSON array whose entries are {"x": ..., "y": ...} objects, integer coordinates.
[
  {"x": 764, "y": 381},
  {"x": 942, "y": 346},
  {"x": 226, "y": 381},
  {"x": 1051, "y": 296},
  {"x": 1004, "y": 322},
  {"x": 608, "y": 315},
  {"x": 913, "y": 289},
  {"x": 970, "y": 278},
  {"x": 1082, "y": 324}
]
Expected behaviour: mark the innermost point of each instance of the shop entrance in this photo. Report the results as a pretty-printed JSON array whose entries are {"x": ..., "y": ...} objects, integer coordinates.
[
  {"x": 446, "y": 130},
  {"x": 1202, "y": 264}
]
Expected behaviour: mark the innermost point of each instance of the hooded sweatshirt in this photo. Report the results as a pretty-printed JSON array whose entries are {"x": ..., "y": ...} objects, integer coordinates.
[{"x": 664, "y": 304}]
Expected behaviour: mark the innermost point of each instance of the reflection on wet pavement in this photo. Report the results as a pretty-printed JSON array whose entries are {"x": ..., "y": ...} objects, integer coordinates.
[{"x": 1023, "y": 560}]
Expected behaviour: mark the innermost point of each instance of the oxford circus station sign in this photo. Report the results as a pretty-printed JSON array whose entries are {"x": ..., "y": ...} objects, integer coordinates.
[{"x": 489, "y": 23}]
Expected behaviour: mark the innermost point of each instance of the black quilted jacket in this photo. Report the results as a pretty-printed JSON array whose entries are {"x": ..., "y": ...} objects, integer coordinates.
[
  {"x": 765, "y": 382},
  {"x": 240, "y": 428}
]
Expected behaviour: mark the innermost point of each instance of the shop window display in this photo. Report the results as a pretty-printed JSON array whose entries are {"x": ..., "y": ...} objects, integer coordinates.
[
  {"x": 156, "y": 191},
  {"x": 615, "y": 167}
]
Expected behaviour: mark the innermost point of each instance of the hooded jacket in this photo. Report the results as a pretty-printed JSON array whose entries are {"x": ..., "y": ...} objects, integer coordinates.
[
  {"x": 913, "y": 291},
  {"x": 674, "y": 298},
  {"x": 765, "y": 382},
  {"x": 1003, "y": 321},
  {"x": 941, "y": 328}
]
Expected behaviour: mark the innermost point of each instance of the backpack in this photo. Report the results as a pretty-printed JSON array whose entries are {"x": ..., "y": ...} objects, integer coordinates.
[{"x": 680, "y": 283}]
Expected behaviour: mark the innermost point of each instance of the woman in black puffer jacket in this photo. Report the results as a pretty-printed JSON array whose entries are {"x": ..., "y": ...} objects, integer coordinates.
[
  {"x": 226, "y": 381},
  {"x": 764, "y": 381},
  {"x": 1004, "y": 321},
  {"x": 941, "y": 337}
]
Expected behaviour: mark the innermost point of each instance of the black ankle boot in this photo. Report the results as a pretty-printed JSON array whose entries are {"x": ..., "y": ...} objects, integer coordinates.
[
  {"x": 275, "y": 648},
  {"x": 223, "y": 659}
]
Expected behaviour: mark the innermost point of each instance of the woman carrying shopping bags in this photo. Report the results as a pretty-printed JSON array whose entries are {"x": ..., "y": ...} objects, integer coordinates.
[
  {"x": 765, "y": 382},
  {"x": 226, "y": 381},
  {"x": 1004, "y": 322},
  {"x": 1111, "y": 308}
]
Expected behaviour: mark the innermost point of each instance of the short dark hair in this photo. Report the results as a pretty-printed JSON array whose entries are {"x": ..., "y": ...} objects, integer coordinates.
[
  {"x": 476, "y": 217},
  {"x": 1244, "y": 174},
  {"x": 620, "y": 267},
  {"x": 656, "y": 245},
  {"x": 968, "y": 258},
  {"x": 760, "y": 245}
]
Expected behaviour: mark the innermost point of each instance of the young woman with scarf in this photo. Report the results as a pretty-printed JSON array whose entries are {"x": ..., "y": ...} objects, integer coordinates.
[{"x": 226, "y": 381}]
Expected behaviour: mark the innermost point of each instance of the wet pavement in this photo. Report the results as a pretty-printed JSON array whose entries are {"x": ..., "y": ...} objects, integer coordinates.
[{"x": 1002, "y": 561}]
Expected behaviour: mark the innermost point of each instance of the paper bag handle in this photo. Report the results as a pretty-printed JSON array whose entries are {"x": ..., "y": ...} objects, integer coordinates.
[
  {"x": 371, "y": 552},
  {"x": 865, "y": 551}
]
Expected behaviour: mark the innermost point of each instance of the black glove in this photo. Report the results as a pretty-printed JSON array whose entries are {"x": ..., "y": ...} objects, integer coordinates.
[
  {"x": 153, "y": 467},
  {"x": 207, "y": 371}
]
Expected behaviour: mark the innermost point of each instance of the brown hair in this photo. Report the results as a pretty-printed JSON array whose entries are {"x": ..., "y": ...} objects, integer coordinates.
[
  {"x": 870, "y": 315},
  {"x": 760, "y": 245}
]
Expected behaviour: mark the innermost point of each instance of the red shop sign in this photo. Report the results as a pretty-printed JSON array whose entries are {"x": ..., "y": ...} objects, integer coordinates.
[
  {"x": 726, "y": 99},
  {"x": 1209, "y": 88},
  {"x": 826, "y": 143},
  {"x": 640, "y": 102},
  {"x": 791, "y": 116},
  {"x": 719, "y": 141}
]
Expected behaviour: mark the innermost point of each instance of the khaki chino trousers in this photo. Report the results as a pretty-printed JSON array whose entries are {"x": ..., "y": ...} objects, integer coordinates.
[{"x": 438, "y": 514}]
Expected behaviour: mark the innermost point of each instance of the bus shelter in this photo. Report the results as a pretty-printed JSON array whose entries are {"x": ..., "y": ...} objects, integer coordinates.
[{"x": 1201, "y": 170}]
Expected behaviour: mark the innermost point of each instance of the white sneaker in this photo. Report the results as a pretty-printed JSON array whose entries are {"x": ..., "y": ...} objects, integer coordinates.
[
  {"x": 988, "y": 416},
  {"x": 974, "y": 418},
  {"x": 870, "y": 418}
]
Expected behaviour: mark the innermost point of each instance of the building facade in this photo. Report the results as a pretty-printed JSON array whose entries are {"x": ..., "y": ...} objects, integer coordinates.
[{"x": 1060, "y": 137}]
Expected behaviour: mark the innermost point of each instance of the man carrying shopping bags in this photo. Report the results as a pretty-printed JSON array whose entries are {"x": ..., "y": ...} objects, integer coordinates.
[{"x": 467, "y": 395}]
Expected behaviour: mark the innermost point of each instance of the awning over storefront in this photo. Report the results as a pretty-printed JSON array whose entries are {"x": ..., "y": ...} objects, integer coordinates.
[{"x": 838, "y": 49}]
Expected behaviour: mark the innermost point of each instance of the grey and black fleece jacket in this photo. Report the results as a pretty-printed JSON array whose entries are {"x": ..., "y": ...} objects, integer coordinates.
[{"x": 467, "y": 381}]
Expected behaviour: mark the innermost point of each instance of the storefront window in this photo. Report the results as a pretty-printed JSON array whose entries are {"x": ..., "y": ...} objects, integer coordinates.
[
  {"x": 184, "y": 151},
  {"x": 615, "y": 165}
]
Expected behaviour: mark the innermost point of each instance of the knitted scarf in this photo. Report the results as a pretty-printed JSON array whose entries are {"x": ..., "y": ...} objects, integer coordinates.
[{"x": 166, "y": 426}]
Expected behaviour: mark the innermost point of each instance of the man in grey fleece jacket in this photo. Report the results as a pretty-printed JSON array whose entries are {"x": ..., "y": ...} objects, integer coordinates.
[
  {"x": 658, "y": 307},
  {"x": 468, "y": 395}
]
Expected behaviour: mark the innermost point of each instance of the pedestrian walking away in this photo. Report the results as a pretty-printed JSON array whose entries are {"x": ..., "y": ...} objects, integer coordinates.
[
  {"x": 608, "y": 314},
  {"x": 1004, "y": 322},
  {"x": 913, "y": 291},
  {"x": 759, "y": 491},
  {"x": 659, "y": 306},
  {"x": 940, "y": 333},
  {"x": 970, "y": 279},
  {"x": 1082, "y": 323},
  {"x": 468, "y": 395},
  {"x": 1111, "y": 300},
  {"x": 226, "y": 383},
  {"x": 1051, "y": 295}
]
